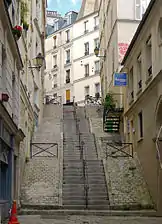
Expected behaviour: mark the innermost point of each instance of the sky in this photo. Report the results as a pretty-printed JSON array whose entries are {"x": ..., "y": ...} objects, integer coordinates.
[{"x": 63, "y": 6}]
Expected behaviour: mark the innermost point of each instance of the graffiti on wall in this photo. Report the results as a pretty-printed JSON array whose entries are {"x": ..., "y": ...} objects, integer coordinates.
[{"x": 122, "y": 50}]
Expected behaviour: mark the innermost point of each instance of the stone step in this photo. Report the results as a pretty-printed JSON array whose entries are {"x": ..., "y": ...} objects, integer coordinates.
[
  {"x": 73, "y": 181},
  {"x": 73, "y": 202}
]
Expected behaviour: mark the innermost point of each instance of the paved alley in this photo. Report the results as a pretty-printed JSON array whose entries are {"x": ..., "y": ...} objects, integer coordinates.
[{"x": 88, "y": 220}]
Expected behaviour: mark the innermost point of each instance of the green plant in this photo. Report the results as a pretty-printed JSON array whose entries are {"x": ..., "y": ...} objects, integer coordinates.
[
  {"x": 24, "y": 11},
  {"x": 109, "y": 102}
]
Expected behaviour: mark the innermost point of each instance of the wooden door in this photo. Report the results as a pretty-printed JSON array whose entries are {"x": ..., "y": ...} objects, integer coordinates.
[{"x": 68, "y": 96}]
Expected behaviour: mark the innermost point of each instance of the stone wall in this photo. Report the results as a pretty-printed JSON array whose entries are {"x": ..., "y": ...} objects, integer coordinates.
[{"x": 42, "y": 183}]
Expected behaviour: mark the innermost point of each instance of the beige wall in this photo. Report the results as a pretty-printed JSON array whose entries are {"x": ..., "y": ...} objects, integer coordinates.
[{"x": 146, "y": 99}]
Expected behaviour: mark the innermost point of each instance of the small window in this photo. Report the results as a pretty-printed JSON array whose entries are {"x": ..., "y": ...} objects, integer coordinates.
[
  {"x": 85, "y": 27},
  {"x": 68, "y": 76},
  {"x": 55, "y": 61},
  {"x": 86, "y": 70},
  {"x": 139, "y": 71},
  {"x": 86, "y": 45},
  {"x": 160, "y": 30},
  {"x": 68, "y": 56},
  {"x": 97, "y": 67},
  {"x": 149, "y": 56},
  {"x": 96, "y": 43},
  {"x": 140, "y": 118},
  {"x": 54, "y": 41},
  {"x": 55, "y": 95},
  {"x": 96, "y": 22},
  {"x": 68, "y": 36},
  {"x": 131, "y": 84}
]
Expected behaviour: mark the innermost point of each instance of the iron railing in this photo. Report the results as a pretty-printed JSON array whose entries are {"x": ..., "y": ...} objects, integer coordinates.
[
  {"x": 51, "y": 99},
  {"x": 120, "y": 149},
  {"x": 90, "y": 100},
  {"x": 44, "y": 149}
]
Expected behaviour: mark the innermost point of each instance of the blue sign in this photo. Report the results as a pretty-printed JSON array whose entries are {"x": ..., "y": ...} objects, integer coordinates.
[{"x": 120, "y": 79}]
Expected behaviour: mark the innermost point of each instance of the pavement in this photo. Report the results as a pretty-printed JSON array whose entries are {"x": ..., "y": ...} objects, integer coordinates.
[{"x": 88, "y": 220}]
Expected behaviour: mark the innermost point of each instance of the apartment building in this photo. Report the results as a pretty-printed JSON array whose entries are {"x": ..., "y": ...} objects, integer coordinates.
[
  {"x": 10, "y": 133},
  {"x": 59, "y": 66},
  {"x": 86, "y": 66},
  {"x": 118, "y": 22},
  {"x": 72, "y": 70},
  {"x": 22, "y": 34},
  {"x": 143, "y": 102}
]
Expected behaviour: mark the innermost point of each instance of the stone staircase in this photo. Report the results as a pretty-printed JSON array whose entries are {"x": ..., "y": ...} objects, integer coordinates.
[{"x": 82, "y": 170}]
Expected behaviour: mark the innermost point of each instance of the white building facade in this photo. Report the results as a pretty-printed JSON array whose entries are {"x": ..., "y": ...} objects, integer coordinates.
[
  {"x": 86, "y": 65},
  {"x": 72, "y": 70},
  {"x": 117, "y": 27}
]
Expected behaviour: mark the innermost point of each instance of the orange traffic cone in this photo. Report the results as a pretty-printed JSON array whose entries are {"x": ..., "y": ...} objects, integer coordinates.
[{"x": 13, "y": 218}]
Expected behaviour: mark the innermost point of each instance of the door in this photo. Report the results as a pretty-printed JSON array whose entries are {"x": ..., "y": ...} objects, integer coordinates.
[{"x": 68, "y": 96}]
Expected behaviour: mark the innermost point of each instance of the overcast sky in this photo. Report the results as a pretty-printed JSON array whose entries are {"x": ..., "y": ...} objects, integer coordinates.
[{"x": 63, "y": 6}]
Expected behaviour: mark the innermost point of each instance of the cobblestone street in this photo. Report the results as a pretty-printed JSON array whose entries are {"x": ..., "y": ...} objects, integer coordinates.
[{"x": 88, "y": 220}]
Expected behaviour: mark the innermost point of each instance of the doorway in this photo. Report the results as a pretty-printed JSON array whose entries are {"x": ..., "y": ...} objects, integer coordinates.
[{"x": 68, "y": 96}]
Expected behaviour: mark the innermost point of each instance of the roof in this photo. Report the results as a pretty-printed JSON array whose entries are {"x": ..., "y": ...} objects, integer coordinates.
[
  {"x": 88, "y": 7},
  {"x": 137, "y": 33}
]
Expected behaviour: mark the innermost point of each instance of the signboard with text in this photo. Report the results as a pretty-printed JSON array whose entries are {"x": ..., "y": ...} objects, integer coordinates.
[{"x": 120, "y": 79}]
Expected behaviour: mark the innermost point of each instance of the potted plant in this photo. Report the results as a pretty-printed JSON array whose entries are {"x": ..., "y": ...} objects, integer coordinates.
[
  {"x": 25, "y": 26},
  {"x": 17, "y": 31},
  {"x": 109, "y": 102}
]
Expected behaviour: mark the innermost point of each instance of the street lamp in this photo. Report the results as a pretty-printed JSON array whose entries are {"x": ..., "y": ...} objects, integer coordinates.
[
  {"x": 38, "y": 61},
  {"x": 96, "y": 51}
]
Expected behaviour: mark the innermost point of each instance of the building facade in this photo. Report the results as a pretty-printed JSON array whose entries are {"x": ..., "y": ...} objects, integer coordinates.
[
  {"x": 72, "y": 70},
  {"x": 143, "y": 101},
  {"x": 23, "y": 84},
  {"x": 59, "y": 66},
  {"x": 10, "y": 133},
  {"x": 117, "y": 27},
  {"x": 86, "y": 67}
]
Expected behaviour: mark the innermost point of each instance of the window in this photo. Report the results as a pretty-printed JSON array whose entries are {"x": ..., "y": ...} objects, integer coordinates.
[
  {"x": 54, "y": 42},
  {"x": 55, "y": 85},
  {"x": 160, "y": 30},
  {"x": 96, "y": 43},
  {"x": 36, "y": 95},
  {"x": 55, "y": 61},
  {"x": 139, "y": 71},
  {"x": 131, "y": 84},
  {"x": 140, "y": 118},
  {"x": 86, "y": 67},
  {"x": 140, "y": 8},
  {"x": 96, "y": 22},
  {"x": 68, "y": 76},
  {"x": 149, "y": 57},
  {"x": 85, "y": 27},
  {"x": 86, "y": 90},
  {"x": 67, "y": 56},
  {"x": 67, "y": 36},
  {"x": 86, "y": 48},
  {"x": 97, "y": 67}
]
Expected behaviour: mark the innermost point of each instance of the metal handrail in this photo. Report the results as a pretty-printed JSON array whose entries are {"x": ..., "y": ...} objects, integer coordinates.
[{"x": 157, "y": 146}]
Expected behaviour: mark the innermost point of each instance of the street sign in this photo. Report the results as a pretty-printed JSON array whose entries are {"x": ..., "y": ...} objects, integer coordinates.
[{"x": 120, "y": 79}]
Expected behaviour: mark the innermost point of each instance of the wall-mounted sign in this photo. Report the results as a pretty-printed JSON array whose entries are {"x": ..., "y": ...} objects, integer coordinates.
[{"x": 120, "y": 79}]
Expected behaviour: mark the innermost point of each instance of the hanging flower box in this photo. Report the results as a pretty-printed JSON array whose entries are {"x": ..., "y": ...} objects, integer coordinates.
[{"x": 17, "y": 32}]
